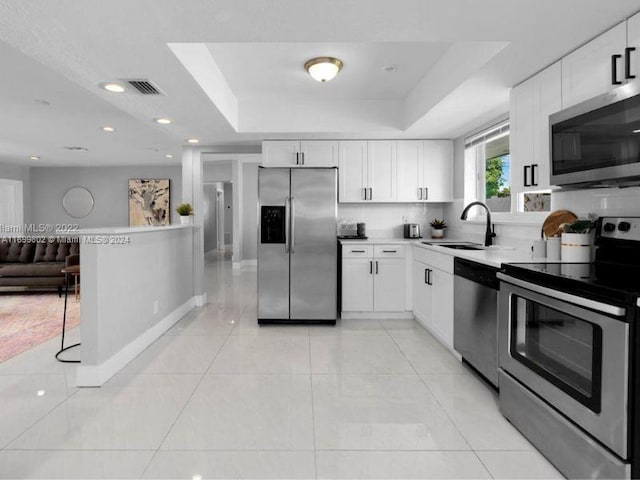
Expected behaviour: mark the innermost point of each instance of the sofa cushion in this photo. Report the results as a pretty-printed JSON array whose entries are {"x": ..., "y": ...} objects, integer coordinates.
[
  {"x": 41, "y": 269},
  {"x": 54, "y": 251},
  {"x": 15, "y": 252}
]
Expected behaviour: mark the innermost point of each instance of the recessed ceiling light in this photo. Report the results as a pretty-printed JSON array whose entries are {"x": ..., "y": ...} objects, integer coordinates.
[
  {"x": 162, "y": 121},
  {"x": 390, "y": 68},
  {"x": 108, "y": 129},
  {"x": 34, "y": 157},
  {"x": 113, "y": 87},
  {"x": 323, "y": 69},
  {"x": 41, "y": 393},
  {"x": 168, "y": 155},
  {"x": 193, "y": 140}
]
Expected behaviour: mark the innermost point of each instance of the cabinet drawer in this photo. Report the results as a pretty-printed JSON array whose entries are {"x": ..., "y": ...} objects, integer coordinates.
[
  {"x": 441, "y": 261},
  {"x": 354, "y": 251},
  {"x": 388, "y": 251}
]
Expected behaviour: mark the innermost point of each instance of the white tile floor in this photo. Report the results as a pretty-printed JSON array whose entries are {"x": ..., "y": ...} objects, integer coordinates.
[{"x": 220, "y": 397}]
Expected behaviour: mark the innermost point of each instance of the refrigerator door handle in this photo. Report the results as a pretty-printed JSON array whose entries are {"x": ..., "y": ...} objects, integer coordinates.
[
  {"x": 292, "y": 240},
  {"x": 287, "y": 217}
]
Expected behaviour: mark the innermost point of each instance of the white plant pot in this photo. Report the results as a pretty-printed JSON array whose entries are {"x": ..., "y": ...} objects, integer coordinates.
[
  {"x": 185, "y": 219},
  {"x": 437, "y": 232},
  {"x": 576, "y": 247}
]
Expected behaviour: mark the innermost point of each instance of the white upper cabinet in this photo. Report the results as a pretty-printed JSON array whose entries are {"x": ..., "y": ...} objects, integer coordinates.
[
  {"x": 381, "y": 170},
  {"x": 437, "y": 170},
  {"x": 531, "y": 104},
  {"x": 296, "y": 153},
  {"x": 425, "y": 171},
  {"x": 410, "y": 171},
  {"x": 352, "y": 171},
  {"x": 587, "y": 72},
  {"x": 319, "y": 153},
  {"x": 280, "y": 153}
]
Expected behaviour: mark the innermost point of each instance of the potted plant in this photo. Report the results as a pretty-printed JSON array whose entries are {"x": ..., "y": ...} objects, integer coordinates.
[
  {"x": 576, "y": 242},
  {"x": 437, "y": 228},
  {"x": 185, "y": 210}
]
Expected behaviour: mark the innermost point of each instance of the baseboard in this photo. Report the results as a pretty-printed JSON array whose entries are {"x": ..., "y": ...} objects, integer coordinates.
[
  {"x": 376, "y": 315},
  {"x": 201, "y": 300},
  {"x": 97, "y": 375}
]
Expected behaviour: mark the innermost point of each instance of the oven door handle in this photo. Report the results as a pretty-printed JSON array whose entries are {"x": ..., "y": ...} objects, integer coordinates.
[{"x": 567, "y": 297}]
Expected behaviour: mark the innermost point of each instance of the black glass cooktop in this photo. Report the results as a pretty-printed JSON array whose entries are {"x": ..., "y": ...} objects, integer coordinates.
[{"x": 612, "y": 283}]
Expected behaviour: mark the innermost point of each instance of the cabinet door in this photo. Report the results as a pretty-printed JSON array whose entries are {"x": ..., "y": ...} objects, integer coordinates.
[
  {"x": 521, "y": 135},
  {"x": 586, "y": 72},
  {"x": 409, "y": 170},
  {"x": 352, "y": 174},
  {"x": 633, "y": 40},
  {"x": 547, "y": 99},
  {"x": 421, "y": 293},
  {"x": 319, "y": 153},
  {"x": 381, "y": 170},
  {"x": 280, "y": 153},
  {"x": 442, "y": 305},
  {"x": 357, "y": 285},
  {"x": 388, "y": 285},
  {"x": 437, "y": 171}
]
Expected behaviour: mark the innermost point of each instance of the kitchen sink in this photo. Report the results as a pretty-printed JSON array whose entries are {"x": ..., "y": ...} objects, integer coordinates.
[{"x": 458, "y": 246}]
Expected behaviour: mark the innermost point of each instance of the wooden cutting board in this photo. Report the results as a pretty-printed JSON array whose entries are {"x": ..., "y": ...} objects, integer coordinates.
[{"x": 552, "y": 226}]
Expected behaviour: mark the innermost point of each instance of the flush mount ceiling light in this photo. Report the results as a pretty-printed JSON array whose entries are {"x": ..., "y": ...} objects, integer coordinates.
[
  {"x": 168, "y": 155},
  {"x": 34, "y": 157},
  {"x": 323, "y": 69},
  {"x": 108, "y": 129},
  {"x": 113, "y": 87},
  {"x": 162, "y": 121},
  {"x": 193, "y": 140}
]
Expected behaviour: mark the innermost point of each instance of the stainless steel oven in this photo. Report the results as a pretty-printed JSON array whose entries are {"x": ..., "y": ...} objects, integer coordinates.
[{"x": 571, "y": 351}]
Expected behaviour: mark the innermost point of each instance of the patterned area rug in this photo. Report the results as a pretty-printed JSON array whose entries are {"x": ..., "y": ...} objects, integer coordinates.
[{"x": 28, "y": 319}]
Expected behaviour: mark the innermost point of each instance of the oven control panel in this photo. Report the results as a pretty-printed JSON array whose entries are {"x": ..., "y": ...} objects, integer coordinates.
[{"x": 623, "y": 228}]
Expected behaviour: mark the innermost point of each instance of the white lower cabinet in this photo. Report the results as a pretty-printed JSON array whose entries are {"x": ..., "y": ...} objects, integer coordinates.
[
  {"x": 433, "y": 293},
  {"x": 373, "y": 278}
]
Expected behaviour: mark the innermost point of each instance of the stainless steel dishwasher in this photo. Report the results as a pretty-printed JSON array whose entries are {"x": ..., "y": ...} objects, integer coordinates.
[{"x": 475, "y": 318}]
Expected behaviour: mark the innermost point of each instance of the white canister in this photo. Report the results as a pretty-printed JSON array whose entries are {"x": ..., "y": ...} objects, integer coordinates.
[
  {"x": 576, "y": 247},
  {"x": 539, "y": 249},
  {"x": 553, "y": 249}
]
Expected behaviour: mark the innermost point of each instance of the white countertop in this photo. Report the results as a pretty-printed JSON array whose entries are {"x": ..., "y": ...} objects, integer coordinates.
[{"x": 495, "y": 255}]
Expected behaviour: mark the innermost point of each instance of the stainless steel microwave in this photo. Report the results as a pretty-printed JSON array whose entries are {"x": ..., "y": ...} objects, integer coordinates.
[{"x": 597, "y": 142}]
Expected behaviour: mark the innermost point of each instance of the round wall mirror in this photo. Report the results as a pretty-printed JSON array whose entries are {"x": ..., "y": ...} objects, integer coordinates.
[{"x": 77, "y": 202}]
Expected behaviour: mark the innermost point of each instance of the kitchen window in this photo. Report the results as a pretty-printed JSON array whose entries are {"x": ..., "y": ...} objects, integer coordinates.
[{"x": 487, "y": 165}]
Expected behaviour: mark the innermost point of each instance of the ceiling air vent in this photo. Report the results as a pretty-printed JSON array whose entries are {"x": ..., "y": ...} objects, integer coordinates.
[{"x": 144, "y": 87}]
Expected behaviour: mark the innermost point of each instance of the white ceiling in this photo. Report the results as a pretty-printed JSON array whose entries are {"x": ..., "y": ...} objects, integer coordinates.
[{"x": 60, "y": 51}]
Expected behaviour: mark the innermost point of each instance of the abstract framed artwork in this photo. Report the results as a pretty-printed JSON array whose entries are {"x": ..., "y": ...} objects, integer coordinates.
[{"x": 149, "y": 202}]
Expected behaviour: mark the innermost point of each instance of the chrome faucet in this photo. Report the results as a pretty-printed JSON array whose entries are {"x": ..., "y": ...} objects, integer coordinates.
[{"x": 489, "y": 234}]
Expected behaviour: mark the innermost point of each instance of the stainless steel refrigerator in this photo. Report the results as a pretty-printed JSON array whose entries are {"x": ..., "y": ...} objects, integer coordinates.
[{"x": 297, "y": 246}]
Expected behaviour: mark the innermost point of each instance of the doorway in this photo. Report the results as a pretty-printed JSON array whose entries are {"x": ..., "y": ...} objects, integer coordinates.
[{"x": 218, "y": 218}]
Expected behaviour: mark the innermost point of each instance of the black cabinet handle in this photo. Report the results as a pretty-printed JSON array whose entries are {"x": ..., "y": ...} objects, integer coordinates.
[
  {"x": 627, "y": 62},
  {"x": 365, "y": 193},
  {"x": 426, "y": 193},
  {"x": 376, "y": 267},
  {"x": 358, "y": 251},
  {"x": 419, "y": 194},
  {"x": 526, "y": 168},
  {"x": 371, "y": 267},
  {"x": 426, "y": 272},
  {"x": 614, "y": 69},
  {"x": 302, "y": 156},
  {"x": 389, "y": 251},
  {"x": 534, "y": 179},
  {"x": 429, "y": 276},
  {"x": 297, "y": 158},
  {"x": 370, "y": 193}
]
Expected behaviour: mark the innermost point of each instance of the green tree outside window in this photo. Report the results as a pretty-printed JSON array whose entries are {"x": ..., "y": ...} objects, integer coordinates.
[{"x": 496, "y": 177}]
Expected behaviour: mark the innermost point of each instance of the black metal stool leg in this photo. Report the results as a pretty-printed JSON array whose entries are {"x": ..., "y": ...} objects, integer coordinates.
[{"x": 64, "y": 324}]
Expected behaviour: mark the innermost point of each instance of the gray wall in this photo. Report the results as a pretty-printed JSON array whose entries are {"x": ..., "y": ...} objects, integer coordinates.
[
  {"x": 109, "y": 186},
  {"x": 17, "y": 172},
  {"x": 217, "y": 171},
  {"x": 249, "y": 219}
]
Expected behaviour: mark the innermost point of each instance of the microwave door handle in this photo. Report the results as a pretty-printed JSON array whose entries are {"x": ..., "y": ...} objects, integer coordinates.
[
  {"x": 627, "y": 63},
  {"x": 614, "y": 69},
  {"x": 292, "y": 241}
]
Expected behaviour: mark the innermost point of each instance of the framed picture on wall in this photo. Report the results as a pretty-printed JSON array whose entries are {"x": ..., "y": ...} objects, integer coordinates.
[{"x": 149, "y": 202}]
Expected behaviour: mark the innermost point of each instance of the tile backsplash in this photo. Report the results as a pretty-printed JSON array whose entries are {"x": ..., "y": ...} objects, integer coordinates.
[{"x": 385, "y": 220}]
